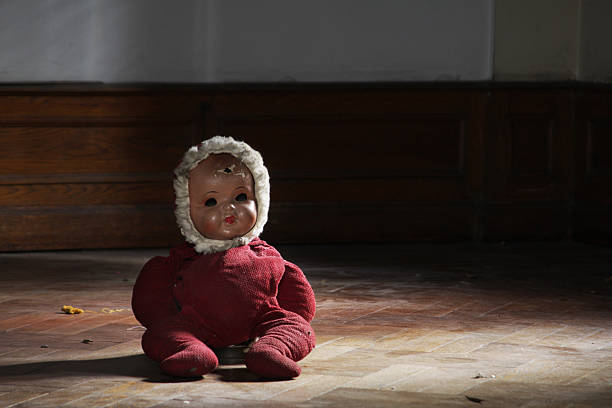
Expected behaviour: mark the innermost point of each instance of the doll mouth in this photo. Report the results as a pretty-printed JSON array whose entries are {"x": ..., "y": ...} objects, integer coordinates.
[{"x": 229, "y": 220}]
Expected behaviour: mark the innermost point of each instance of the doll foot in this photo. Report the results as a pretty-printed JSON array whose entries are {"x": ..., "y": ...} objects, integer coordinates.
[
  {"x": 193, "y": 361},
  {"x": 270, "y": 363}
]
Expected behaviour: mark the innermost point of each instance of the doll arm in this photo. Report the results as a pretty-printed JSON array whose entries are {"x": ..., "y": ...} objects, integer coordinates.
[
  {"x": 295, "y": 293},
  {"x": 152, "y": 299}
]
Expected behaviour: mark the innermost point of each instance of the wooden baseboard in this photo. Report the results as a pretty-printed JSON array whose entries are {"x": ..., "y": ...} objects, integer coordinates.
[
  {"x": 80, "y": 227},
  {"x": 593, "y": 224},
  {"x": 374, "y": 222},
  {"x": 86, "y": 166}
]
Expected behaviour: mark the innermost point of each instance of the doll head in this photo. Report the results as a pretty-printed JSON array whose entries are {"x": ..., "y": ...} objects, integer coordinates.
[
  {"x": 222, "y": 197},
  {"x": 222, "y": 194}
]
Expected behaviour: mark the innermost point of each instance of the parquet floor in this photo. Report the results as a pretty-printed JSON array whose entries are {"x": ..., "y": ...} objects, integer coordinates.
[{"x": 460, "y": 325}]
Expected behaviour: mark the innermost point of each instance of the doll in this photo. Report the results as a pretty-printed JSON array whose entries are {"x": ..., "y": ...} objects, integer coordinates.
[{"x": 223, "y": 286}]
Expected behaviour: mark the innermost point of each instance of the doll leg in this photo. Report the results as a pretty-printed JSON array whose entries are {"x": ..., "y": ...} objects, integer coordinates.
[
  {"x": 283, "y": 341},
  {"x": 179, "y": 352}
]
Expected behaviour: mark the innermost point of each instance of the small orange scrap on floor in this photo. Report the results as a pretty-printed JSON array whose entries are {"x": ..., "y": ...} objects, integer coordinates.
[{"x": 71, "y": 310}]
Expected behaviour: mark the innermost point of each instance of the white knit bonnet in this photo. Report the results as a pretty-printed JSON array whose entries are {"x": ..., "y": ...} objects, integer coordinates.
[{"x": 247, "y": 155}]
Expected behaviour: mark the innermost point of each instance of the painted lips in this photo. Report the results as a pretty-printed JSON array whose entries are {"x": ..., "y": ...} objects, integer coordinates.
[{"x": 230, "y": 220}]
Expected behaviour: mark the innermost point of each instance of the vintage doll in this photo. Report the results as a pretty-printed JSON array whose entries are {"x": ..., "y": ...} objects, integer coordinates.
[{"x": 224, "y": 286}]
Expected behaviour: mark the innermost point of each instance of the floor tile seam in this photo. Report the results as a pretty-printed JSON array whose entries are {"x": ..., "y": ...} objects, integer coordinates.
[
  {"x": 420, "y": 370},
  {"x": 27, "y": 400},
  {"x": 501, "y": 340},
  {"x": 31, "y": 360},
  {"x": 580, "y": 339},
  {"x": 100, "y": 393},
  {"x": 479, "y": 384},
  {"x": 446, "y": 344},
  {"x": 405, "y": 379},
  {"x": 516, "y": 372},
  {"x": 325, "y": 392},
  {"x": 396, "y": 348},
  {"x": 98, "y": 326},
  {"x": 399, "y": 332},
  {"x": 88, "y": 317},
  {"x": 342, "y": 287},
  {"x": 482, "y": 346},
  {"x": 470, "y": 334},
  {"x": 33, "y": 330},
  {"x": 366, "y": 314},
  {"x": 424, "y": 308},
  {"x": 349, "y": 349},
  {"x": 350, "y": 306},
  {"x": 453, "y": 310},
  {"x": 15, "y": 312},
  {"x": 50, "y": 353},
  {"x": 594, "y": 372},
  {"x": 496, "y": 308},
  {"x": 565, "y": 326},
  {"x": 330, "y": 342},
  {"x": 11, "y": 351},
  {"x": 58, "y": 390},
  {"x": 599, "y": 330},
  {"x": 118, "y": 401},
  {"x": 17, "y": 328},
  {"x": 310, "y": 381},
  {"x": 420, "y": 337},
  {"x": 28, "y": 386},
  {"x": 133, "y": 396}
]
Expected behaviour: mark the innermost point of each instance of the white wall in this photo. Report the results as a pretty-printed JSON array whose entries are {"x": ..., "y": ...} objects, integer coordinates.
[
  {"x": 536, "y": 40},
  {"x": 244, "y": 40},
  {"x": 323, "y": 40},
  {"x": 596, "y": 41},
  {"x": 100, "y": 40},
  {"x": 553, "y": 40}
]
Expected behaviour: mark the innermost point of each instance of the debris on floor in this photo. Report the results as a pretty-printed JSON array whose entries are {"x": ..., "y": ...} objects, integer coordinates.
[
  {"x": 480, "y": 375},
  {"x": 71, "y": 310},
  {"x": 473, "y": 399},
  {"x": 87, "y": 341},
  {"x": 76, "y": 310},
  {"x": 109, "y": 310}
]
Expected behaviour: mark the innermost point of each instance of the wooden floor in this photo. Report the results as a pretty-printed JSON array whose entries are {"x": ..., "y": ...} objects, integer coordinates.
[{"x": 524, "y": 325}]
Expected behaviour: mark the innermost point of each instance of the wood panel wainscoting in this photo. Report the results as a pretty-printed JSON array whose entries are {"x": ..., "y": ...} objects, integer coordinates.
[{"x": 90, "y": 166}]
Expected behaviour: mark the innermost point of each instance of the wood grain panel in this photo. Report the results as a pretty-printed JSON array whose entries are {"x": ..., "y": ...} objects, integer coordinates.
[
  {"x": 92, "y": 170},
  {"x": 372, "y": 191},
  {"x": 592, "y": 222},
  {"x": 515, "y": 222},
  {"x": 354, "y": 147},
  {"x": 93, "y": 149},
  {"x": 528, "y": 146},
  {"x": 531, "y": 149},
  {"x": 593, "y": 151},
  {"x": 75, "y": 194},
  {"x": 353, "y": 99},
  {"x": 92, "y": 165},
  {"x": 363, "y": 165},
  {"x": 368, "y": 223},
  {"x": 23, "y": 228},
  {"x": 592, "y": 218},
  {"x": 599, "y": 147},
  {"x": 87, "y": 106}
]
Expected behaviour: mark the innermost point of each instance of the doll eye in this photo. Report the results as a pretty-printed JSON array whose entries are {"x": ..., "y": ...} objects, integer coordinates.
[
  {"x": 241, "y": 197},
  {"x": 211, "y": 202}
]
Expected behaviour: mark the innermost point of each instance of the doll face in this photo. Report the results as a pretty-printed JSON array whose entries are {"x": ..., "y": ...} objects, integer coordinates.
[{"x": 222, "y": 197}]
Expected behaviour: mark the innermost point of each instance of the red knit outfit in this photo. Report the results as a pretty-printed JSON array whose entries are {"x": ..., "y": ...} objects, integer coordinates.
[{"x": 190, "y": 302}]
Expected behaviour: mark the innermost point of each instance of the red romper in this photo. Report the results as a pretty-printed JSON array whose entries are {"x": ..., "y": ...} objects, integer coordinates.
[{"x": 189, "y": 302}]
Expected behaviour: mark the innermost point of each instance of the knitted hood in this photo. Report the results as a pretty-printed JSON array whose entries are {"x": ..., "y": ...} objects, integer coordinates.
[{"x": 247, "y": 155}]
